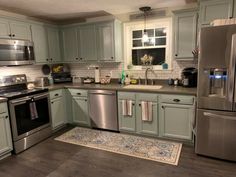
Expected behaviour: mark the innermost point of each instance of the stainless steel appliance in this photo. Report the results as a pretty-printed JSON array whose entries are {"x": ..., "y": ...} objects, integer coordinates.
[
  {"x": 42, "y": 81},
  {"x": 103, "y": 109},
  {"x": 216, "y": 113},
  {"x": 29, "y": 111},
  {"x": 16, "y": 52}
]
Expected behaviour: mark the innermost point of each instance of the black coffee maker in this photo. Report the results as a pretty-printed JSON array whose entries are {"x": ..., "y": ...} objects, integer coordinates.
[{"x": 189, "y": 77}]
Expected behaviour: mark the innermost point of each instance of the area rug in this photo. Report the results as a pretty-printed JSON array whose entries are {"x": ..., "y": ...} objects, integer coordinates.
[{"x": 140, "y": 147}]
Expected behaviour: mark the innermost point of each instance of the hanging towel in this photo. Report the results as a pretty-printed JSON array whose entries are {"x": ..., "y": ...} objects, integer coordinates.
[
  {"x": 124, "y": 107},
  {"x": 129, "y": 104},
  {"x": 146, "y": 110},
  {"x": 33, "y": 110}
]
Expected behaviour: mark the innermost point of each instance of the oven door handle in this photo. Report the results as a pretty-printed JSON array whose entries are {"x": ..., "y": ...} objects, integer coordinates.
[
  {"x": 23, "y": 100},
  {"x": 40, "y": 96}
]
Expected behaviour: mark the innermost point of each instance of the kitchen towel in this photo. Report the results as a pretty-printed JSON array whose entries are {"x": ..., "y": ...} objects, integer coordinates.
[
  {"x": 124, "y": 107},
  {"x": 127, "y": 108},
  {"x": 146, "y": 110},
  {"x": 33, "y": 110}
]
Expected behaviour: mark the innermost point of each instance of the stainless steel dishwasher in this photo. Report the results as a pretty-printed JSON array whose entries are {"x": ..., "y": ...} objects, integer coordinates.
[{"x": 103, "y": 109}]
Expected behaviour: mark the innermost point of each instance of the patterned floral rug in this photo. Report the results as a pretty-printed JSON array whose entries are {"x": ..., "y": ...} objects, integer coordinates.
[{"x": 145, "y": 148}]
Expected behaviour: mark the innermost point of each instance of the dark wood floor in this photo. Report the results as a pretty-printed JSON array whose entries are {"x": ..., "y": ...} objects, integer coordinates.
[{"x": 56, "y": 159}]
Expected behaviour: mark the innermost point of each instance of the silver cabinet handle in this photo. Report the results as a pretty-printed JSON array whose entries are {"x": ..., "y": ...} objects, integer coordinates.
[{"x": 219, "y": 116}]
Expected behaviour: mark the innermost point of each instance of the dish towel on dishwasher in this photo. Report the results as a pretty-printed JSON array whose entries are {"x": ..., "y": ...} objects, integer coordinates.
[
  {"x": 33, "y": 110},
  {"x": 127, "y": 108},
  {"x": 146, "y": 110}
]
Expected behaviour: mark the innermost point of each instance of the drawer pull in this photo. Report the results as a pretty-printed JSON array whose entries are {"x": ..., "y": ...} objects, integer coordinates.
[
  {"x": 163, "y": 107},
  {"x": 56, "y": 94},
  {"x": 6, "y": 117},
  {"x": 78, "y": 93},
  {"x": 85, "y": 100},
  {"x": 176, "y": 100}
]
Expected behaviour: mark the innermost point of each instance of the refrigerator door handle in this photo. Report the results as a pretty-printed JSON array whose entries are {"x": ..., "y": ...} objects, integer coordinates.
[
  {"x": 231, "y": 74},
  {"x": 208, "y": 114}
]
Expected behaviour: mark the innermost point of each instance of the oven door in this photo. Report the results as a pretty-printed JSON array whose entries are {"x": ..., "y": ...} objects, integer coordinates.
[
  {"x": 29, "y": 115},
  {"x": 16, "y": 52}
]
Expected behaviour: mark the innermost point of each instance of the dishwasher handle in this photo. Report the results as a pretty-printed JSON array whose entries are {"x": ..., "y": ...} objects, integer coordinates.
[{"x": 102, "y": 92}]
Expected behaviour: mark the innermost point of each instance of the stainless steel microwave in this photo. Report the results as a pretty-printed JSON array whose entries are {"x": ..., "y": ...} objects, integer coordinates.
[{"x": 16, "y": 52}]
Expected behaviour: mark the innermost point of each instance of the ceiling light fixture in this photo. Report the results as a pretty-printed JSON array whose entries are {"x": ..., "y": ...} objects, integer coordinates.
[{"x": 145, "y": 11}]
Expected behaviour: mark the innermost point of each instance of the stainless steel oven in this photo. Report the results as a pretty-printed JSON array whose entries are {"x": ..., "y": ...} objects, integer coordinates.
[
  {"x": 16, "y": 52},
  {"x": 30, "y": 120}
]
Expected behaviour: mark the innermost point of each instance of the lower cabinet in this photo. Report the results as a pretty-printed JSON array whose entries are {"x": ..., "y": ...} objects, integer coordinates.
[
  {"x": 176, "y": 117},
  {"x": 57, "y": 108},
  {"x": 134, "y": 123},
  {"x": 80, "y": 107},
  {"x": 5, "y": 131}
]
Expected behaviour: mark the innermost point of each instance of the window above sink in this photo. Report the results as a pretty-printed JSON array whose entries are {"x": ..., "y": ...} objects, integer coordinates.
[{"x": 157, "y": 48}]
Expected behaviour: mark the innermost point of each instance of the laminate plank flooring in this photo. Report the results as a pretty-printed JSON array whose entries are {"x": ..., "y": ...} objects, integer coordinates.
[{"x": 52, "y": 158}]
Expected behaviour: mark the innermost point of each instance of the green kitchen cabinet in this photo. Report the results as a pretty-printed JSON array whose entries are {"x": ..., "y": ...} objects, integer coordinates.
[
  {"x": 215, "y": 9},
  {"x": 109, "y": 41},
  {"x": 127, "y": 123},
  {"x": 147, "y": 127},
  {"x": 70, "y": 44},
  {"x": 5, "y": 131},
  {"x": 185, "y": 33},
  {"x": 176, "y": 116},
  {"x": 79, "y": 107},
  {"x": 87, "y": 43},
  {"x": 53, "y": 44},
  {"x": 14, "y": 29},
  {"x": 39, "y": 37},
  {"x": 58, "y": 113}
]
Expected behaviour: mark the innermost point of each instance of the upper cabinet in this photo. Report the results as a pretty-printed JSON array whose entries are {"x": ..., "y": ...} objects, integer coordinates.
[
  {"x": 185, "y": 33},
  {"x": 46, "y": 43},
  {"x": 87, "y": 43},
  {"x": 53, "y": 44},
  {"x": 14, "y": 29},
  {"x": 101, "y": 41},
  {"x": 215, "y": 9}
]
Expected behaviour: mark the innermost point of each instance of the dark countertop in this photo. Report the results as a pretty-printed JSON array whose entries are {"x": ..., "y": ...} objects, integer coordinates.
[
  {"x": 3, "y": 99},
  {"x": 165, "y": 88}
]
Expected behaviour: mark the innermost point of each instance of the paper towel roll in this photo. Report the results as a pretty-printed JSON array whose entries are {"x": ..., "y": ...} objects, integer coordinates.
[{"x": 97, "y": 75}]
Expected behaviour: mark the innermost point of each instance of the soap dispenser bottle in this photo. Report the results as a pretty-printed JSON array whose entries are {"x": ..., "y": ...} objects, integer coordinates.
[{"x": 97, "y": 75}]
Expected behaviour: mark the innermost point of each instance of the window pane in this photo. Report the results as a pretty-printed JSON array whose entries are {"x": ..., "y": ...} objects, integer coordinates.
[
  {"x": 160, "y": 41},
  {"x": 158, "y": 55},
  {"x": 151, "y": 42},
  {"x": 137, "y": 34},
  {"x": 137, "y": 43},
  {"x": 150, "y": 32},
  {"x": 160, "y": 32}
]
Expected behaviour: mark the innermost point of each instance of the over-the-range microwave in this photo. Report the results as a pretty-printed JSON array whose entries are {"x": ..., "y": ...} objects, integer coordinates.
[{"x": 16, "y": 52}]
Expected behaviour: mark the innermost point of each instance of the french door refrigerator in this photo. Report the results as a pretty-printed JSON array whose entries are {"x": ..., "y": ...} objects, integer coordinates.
[{"x": 216, "y": 94}]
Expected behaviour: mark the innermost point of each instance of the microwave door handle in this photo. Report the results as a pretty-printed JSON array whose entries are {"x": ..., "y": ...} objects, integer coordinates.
[{"x": 231, "y": 73}]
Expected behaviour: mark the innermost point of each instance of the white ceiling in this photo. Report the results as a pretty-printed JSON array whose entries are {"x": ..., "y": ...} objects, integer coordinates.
[{"x": 67, "y": 9}]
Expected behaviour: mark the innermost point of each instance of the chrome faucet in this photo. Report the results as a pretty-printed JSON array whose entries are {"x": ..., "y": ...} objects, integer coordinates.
[{"x": 146, "y": 75}]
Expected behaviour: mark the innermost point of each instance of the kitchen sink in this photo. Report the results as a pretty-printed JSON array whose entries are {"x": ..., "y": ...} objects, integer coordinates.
[{"x": 153, "y": 87}]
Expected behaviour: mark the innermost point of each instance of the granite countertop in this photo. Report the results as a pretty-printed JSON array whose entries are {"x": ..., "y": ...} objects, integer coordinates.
[
  {"x": 165, "y": 88},
  {"x": 3, "y": 99}
]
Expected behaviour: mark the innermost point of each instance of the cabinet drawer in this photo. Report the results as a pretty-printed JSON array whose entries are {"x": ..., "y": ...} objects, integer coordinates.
[
  {"x": 78, "y": 92},
  {"x": 3, "y": 108},
  {"x": 177, "y": 99},
  {"x": 126, "y": 95},
  {"x": 55, "y": 94}
]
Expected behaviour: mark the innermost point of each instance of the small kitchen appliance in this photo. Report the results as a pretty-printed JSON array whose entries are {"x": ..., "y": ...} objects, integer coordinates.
[
  {"x": 189, "y": 77},
  {"x": 29, "y": 111}
]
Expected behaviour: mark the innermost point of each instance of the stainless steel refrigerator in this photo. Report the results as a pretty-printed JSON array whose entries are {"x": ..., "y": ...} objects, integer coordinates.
[{"x": 216, "y": 94}]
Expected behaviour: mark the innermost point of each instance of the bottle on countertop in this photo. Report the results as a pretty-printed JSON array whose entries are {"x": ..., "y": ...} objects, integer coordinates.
[
  {"x": 123, "y": 76},
  {"x": 97, "y": 75},
  {"x": 127, "y": 80}
]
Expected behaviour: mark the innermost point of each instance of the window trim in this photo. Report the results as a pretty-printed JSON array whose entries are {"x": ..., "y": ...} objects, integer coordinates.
[{"x": 157, "y": 23}]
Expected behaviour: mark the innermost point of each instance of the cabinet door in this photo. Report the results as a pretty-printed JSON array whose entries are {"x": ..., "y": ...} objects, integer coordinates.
[
  {"x": 53, "y": 44},
  {"x": 5, "y": 132},
  {"x": 215, "y": 9},
  {"x": 80, "y": 111},
  {"x": 185, "y": 34},
  {"x": 147, "y": 127},
  {"x": 176, "y": 121},
  {"x": 87, "y": 43},
  {"x": 39, "y": 37},
  {"x": 127, "y": 123},
  {"x": 105, "y": 41},
  {"x": 20, "y": 30},
  {"x": 4, "y": 28},
  {"x": 70, "y": 44},
  {"x": 58, "y": 112}
]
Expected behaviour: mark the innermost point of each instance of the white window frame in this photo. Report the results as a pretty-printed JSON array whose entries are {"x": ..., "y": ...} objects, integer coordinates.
[{"x": 139, "y": 25}]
